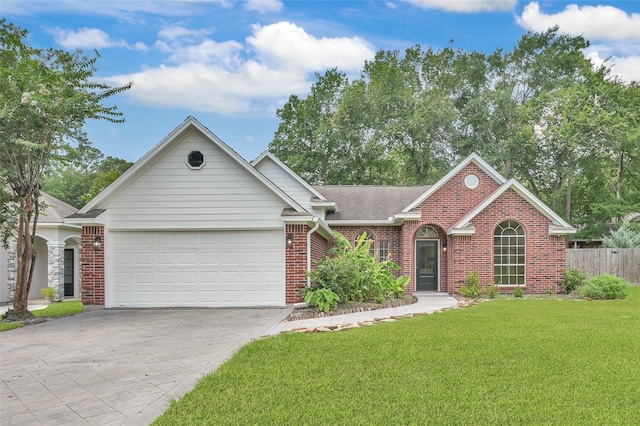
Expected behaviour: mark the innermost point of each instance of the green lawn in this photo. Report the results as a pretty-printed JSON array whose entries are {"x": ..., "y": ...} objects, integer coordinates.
[
  {"x": 518, "y": 361},
  {"x": 53, "y": 310}
]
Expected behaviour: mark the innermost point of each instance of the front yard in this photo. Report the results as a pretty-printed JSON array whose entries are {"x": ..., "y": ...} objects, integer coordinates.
[{"x": 506, "y": 361}]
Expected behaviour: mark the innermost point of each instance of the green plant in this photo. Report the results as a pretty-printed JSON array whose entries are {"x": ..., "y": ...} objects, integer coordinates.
[
  {"x": 323, "y": 298},
  {"x": 48, "y": 293},
  {"x": 623, "y": 237},
  {"x": 573, "y": 279},
  {"x": 472, "y": 289},
  {"x": 397, "y": 289},
  {"x": 604, "y": 287},
  {"x": 493, "y": 291},
  {"x": 518, "y": 292}
]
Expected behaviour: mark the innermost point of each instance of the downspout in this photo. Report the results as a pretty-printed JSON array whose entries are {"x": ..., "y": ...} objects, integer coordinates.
[{"x": 311, "y": 231}]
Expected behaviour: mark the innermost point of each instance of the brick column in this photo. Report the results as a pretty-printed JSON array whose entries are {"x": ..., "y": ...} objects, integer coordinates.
[
  {"x": 55, "y": 268},
  {"x": 92, "y": 266},
  {"x": 12, "y": 269},
  {"x": 296, "y": 263}
]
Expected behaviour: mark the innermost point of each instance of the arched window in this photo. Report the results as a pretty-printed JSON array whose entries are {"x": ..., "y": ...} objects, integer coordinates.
[
  {"x": 427, "y": 232},
  {"x": 370, "y": 237},
  {"x": 509, "y": 254}
]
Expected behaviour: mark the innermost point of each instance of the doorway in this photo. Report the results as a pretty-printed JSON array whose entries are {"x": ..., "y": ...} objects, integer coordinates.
[
  {"x": 427, "y": 276},
  {"x": 69, "y": 273}
]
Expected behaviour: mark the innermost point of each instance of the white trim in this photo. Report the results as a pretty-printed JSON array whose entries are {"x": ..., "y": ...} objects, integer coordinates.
[
  {"x": 560, "y": 225},
  {"x": 293, "y": 174},
  {"x": 131, "y": 174},
  {"x": 473, "y": 158}
]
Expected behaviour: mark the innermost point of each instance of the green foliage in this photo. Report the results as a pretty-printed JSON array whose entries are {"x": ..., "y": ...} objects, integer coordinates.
[
  {"x": 472, "y": 288},
  {"x": 354, "y": 275},
  {"x": 493, "y": 291},
  {"x": 623, "y": 237},
  {"x": 48, "y": 292},
  {"x": 47, "y": 96},
  {"x": 518, "y": 292},
  {"x": 323, "y": 298},
  {"x": 573, "y": 279},
  {"x": 605, "y": 287}
]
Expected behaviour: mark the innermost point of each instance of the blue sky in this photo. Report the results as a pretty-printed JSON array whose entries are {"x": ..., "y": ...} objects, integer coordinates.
[{"x": 231, "y": 64}]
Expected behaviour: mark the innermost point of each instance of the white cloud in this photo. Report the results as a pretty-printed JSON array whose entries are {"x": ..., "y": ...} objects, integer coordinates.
[
  {"x": 120, "y": 8},
  {"x": 231, "y": 78},
  {"x": 614, "y": 34},
  {"x": 465, "y": 6},
  {"x": 176, "y": 32},
  {"x": 592, "y": 22},
  {"x": 264, "y": 6},
  {"x": 93, "y": 38},
  {"x": 286, "y": 45}
]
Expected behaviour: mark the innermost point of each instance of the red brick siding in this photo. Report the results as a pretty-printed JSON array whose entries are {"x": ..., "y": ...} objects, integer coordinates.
[
  {"x": 544, "y": 257},
  {"x": 319, "y": 247},
  {"x": 92, "y": 266},
  {"x": 296, "y": 263}
]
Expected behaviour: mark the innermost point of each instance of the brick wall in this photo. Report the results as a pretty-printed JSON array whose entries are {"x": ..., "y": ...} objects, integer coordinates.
[
  {"x": 92, "y": 266},
  {"x": 296, "y": 263}
]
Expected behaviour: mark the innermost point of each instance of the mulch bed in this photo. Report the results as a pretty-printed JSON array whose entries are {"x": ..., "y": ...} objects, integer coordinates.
[{"x": 312, "y": 312}]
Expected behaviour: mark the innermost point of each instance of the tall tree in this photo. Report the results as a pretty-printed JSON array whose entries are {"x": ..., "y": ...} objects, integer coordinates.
[{"x": 47, "y": 97}]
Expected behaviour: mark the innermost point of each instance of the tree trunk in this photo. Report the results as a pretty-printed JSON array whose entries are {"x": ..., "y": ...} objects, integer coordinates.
[
  {"x": 26, "y": 251},
  {"x": 567, "y": 214}
]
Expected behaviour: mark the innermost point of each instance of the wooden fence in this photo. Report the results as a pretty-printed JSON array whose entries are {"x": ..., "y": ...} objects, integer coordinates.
[{"x": 624, "y": 263}]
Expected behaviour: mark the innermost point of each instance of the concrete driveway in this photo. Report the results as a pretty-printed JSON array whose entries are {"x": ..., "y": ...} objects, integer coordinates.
[{"x": 117, "y": 366}]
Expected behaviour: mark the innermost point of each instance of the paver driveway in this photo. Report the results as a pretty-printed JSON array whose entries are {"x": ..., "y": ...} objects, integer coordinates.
[{"x": 117, "y": 366}]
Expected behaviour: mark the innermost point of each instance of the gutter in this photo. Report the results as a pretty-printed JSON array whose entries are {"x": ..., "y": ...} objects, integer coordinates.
[{"x": 311, "y": 231}]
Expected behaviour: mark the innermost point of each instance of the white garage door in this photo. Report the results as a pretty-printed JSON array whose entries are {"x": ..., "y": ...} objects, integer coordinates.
[{"x": 222, "y": 268}]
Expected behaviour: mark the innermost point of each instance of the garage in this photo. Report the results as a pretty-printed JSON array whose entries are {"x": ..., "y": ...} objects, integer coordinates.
[{"x": 196, "y": 268}]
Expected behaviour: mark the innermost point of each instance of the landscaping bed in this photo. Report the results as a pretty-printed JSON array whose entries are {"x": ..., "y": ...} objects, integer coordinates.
[{"x": 349, "y": 308}]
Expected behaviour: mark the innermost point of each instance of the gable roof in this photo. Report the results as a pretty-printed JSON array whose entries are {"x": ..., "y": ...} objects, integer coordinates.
[
  {"x": 55, "y": 210},
  {"x": 368, "y": 203},
  {"x": 189, "y": 123},
  {"x": 268, "y": 155},
  {"x": 473, "y": 158},
  {"x": 558, "y": 226}
]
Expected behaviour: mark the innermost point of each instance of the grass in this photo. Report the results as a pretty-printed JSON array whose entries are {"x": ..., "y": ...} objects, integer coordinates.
[
  {"x": 506, "y": 361},
  {"x": 53, "y": 310}
]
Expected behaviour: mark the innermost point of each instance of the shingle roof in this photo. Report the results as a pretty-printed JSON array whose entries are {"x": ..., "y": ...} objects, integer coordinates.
[
  {"x": 365, "y": 202},
  {"x": 55, "y": 210}
]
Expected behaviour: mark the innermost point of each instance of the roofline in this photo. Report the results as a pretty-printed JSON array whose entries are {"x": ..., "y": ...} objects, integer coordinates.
[
  {"x": 310, "y": 221},
  {"x": 562, "y": 227},
  {"x": 472, "y": 158},
  {"x": 293, "y": 174},
  {"x": 141, "y": 164}
]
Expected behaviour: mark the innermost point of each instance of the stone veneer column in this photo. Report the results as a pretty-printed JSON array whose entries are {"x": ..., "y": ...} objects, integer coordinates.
[
  {"x": 55, "y": 251},
  {"x": 12, "y": 269}
]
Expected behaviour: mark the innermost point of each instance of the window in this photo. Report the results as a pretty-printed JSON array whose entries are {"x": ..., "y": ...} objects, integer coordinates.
[
  {"x": 195, "y": 159},
  {"x": 383, "y": 251},
  {"x": 370, "y": 238},
  {"x": 427, "y": 232},
  {"x": 509, "y": 254}
]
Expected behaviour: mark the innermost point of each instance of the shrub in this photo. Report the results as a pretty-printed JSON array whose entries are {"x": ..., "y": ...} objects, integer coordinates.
[
  {"x": 353, "y": 275},
  {"x": 493, "y": 291},
  {"x": 323, "y": 298},
  {"x": 605, "y": 287},
  {"x": 472, "y": 289},
  {"x": 623, "y": 237},
  {"x": 518, "y": 292},
  {"x": 573, "y": 279}
]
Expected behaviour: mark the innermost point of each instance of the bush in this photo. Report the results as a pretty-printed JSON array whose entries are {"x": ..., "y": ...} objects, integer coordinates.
[
  {"x": 353, "y": 275},
  {"x": 472, "y": 289},
  {"x": 323, "y": 298},
  {"x": 518, "y": 292},
  {"x": 493, "y": 291},
  {"x": 605, "y": 287},
  {"x": 573, "y": 279}
]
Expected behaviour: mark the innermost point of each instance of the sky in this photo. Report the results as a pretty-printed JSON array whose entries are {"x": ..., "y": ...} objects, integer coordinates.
[{"x": 232, "y": 64}]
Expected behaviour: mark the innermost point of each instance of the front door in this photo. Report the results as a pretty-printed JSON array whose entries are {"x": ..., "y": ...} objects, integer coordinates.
[
  {"x": 427, "y": 265},
  {"x": 68, "y": 273}
]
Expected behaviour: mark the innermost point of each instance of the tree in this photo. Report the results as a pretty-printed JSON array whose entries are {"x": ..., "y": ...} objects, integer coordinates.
[
  {"x": 47, "y": 97},
  {"x": 623, "y": 237}
]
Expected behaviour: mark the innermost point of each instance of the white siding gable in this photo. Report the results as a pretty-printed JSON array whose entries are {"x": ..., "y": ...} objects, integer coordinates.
[
  {"x": 286, "y": 182},
  {"x": 167, "y": 194}
]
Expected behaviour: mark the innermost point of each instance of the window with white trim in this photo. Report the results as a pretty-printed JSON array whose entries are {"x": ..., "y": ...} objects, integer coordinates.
[
  {"x": 427, "y": 232},
  {"x": 509, "y": 244},
  {"x": 383, "y": 251},
  {"x": 370, "y": 237}
]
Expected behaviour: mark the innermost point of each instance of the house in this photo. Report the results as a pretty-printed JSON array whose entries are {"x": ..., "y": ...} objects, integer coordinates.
[
  {"x": 194, "y": 224},
  {"x": 57, "y": 246}
]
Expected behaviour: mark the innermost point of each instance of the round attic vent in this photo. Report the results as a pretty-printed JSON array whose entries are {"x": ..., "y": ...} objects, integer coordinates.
[
  {"x": 195, "y": 159},
  {"x": 471, "y": 181}
]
